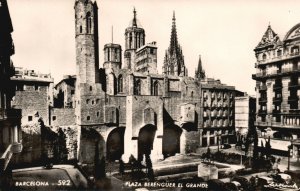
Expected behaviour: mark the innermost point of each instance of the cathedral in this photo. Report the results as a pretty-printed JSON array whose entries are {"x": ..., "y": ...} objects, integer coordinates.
[{"x": 126, "y": 109}]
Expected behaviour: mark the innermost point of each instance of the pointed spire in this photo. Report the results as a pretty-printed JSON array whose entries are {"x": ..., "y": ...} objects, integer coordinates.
[
  {"x": 173, "y": 41},
  {"x": 200, "y": 73},
  {"x": 134, "y": 18}
]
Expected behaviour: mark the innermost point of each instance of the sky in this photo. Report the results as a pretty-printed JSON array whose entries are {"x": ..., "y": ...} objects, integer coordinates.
[{"x": 223, "y": 32}]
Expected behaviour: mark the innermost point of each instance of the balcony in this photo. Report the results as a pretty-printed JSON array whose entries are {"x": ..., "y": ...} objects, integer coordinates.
[
  {"x": 277, "y": 99},
  {"x": 278, "y": 58},
  {"x": 262, "y": 99},
  {"x": 283, "y": 72},
  {"x": 262, "y": 112}
]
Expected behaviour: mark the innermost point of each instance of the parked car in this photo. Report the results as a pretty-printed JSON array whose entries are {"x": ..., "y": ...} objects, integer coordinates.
[
  {"x": 232, "y": 186},
  {"x": 264, "y": 180},
  {"x": 243, "y": 181},
  {"x": 215, "y": 185},
  {"x": 57, "y": 177},
  {"x": 226, "y": 146}
]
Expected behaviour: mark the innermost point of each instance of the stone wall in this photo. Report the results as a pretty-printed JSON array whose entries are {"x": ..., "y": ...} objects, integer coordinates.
[
  {"x": 62, "y": 116},
  {"x": 33, "y": 100}
]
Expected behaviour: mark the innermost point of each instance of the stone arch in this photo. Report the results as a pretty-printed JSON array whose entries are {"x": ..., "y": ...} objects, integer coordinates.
[
  {"x": 145, "y": 140},
  {"x": 91, "y": 150},
  {"x": 115, "y": 144},
  {"x": 171, "y": 140}
]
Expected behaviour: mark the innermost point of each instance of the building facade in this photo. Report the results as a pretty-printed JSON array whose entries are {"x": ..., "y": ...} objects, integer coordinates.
[
  {"x": 245, "y": 109},
  {"x": 277, "y": 88},
  {"x": 218, "y": 113},
  {"x": 131, "y": 104},
  {"x": 9, "y": 117}
]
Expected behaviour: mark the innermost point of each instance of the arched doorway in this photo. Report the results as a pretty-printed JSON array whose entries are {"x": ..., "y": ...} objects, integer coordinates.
[
  {"x": 91, "y": 151},
  {"x": 115, "y": 144},
  {"x": 171, "y": 140},
  {"x": 145, "y": 140}
]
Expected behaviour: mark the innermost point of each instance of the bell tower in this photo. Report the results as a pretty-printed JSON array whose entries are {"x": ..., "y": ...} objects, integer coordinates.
[
  {"x": 87, "y": 47},
  {"x": 134, "y": 39}
]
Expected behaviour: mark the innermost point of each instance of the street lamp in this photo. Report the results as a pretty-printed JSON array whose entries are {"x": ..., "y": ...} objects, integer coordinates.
[{"x": 218, "y": 134}]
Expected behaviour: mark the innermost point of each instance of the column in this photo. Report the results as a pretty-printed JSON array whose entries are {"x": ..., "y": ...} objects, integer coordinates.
[
  {"x": 183, "y": 142},
  {"x": 15, "y": 134},
  {"x": 200, "y": 141},
  {"x": 156, "y": 153},
  {"x": 208, "y": 138}
]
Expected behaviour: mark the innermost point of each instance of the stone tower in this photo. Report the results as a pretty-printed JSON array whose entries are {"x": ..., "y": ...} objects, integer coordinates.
[
  {"x": 86, "y": 34},
  {"x": 174, "y": 59},
  {"x": 112, "y": 56},
  {"x": 89, "y": 95},
  {"x": 88, "y": 87},
  {"x": 200, "y": 72},
  {"x": 134, "y": 39}
]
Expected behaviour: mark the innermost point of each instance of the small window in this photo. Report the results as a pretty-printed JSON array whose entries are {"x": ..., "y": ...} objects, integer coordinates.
[
  {"x": 151, "y": 51},
  {"x": 29, "y": 118},
  {"x": 88, "y": 118},
  {"x": 80, "y": 30},
  {"x": 87, "y": 101},
  {"x": 91, "y": 88},
  {"x": 93, "y": 102},
  {"x": 36, "y": 87},
  {"x": 264, "y": 56},
  {"x": 97, "y": 101},
  {"x": 53, "y": 118},
  {"x": 72, "y": 92},
  {"x": 192, "y": 94},
  {"x": 279, "y": 52},
  {"x": 98, "y": 114}
]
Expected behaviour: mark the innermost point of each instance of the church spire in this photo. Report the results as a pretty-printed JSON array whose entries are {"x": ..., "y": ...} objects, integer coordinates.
[
  {"x": 200, "y": 73},
  {"x": 174, "y": 59},
  {"x": 134, "y": 18},
  {"x": 173, "y": 40}
]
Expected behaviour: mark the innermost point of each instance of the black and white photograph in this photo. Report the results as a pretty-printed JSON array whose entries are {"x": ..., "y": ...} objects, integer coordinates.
[{"x": 150, "y": 95}]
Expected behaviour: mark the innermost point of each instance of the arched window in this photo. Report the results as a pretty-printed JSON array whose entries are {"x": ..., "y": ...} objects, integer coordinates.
[
  {"x": 120, "y": 83},
  {"x": 137, "y": 87},
  {"x": 88, "y": 23},
  {"x": 155, "y": 88},
  {"x": 264, "y": 56},
  {"x": 80, "y": 30},
  {"x": 279, "y": 52},
  {"x": 192, "y": 94}
]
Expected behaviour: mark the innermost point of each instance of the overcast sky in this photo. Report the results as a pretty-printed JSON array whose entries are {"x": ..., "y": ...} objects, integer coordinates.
[{"x": 223, "y": 32}]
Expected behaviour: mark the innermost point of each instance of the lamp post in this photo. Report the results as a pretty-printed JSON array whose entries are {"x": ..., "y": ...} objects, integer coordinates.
[{"x": 218, "y": 140}]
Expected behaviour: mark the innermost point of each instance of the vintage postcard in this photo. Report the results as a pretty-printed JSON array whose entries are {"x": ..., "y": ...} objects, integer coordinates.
[{"x": 149, "y": 95}]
